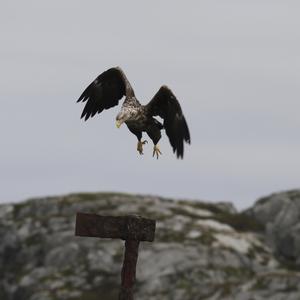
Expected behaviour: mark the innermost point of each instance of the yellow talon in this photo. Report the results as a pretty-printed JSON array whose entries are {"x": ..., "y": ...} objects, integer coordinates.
[
  {"x": 156, "y": 151},
  {"x": 118, "y": 123},
  {"x": 140, "y": 146}
]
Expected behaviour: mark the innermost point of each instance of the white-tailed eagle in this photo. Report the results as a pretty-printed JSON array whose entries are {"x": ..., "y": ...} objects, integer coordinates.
[{"x": 112, "y": 85}]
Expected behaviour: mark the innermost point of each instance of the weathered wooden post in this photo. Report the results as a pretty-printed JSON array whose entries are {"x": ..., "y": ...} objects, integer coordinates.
[{"x": 132, "y": 229}]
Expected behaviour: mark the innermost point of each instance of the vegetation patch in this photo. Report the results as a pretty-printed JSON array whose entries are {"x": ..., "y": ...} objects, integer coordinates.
[
  {"x": 289, "y": 264},
  {"x": 238, "y": 273},
  {"x": 168, "y": 236},
  {"x": 213, "y": 208},
  {"x": 183, "y": 212},
  {"x": 240, "y": 222},
  {"x": 206, "y": 238},
  {"x": 107, "y": 290},
  {"x": 260, "y": 284},
  {"x": 18, "y": 207}
]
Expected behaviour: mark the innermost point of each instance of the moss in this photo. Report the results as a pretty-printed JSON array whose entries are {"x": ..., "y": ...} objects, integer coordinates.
[
  {"x": 290, "y": 288},
  {"x": 207, "y": 238},
  {"x": 168, "y": 236},
  {"x": 256, "y": 249},
  {"x": 34, "y": 239},
  {"x": 184, "y": 283},
  {"x": 90, "y": 295},
  {"x": 226, "y": 289},
  {"x": 289, "y": 264},
  {"x": 18, "y": 207},
  {"x": 213, "y": 208},
  {"x": 88, "y": 196},
  {"x": 183, "y": 212},
  {"x": 108, "y": 290},
  {"x": 251, "y": 254},
  {"x": 62, "y": 201},
  {"x": 238, "y": 273},
  {"x": 22, "y": 293},
  {"x": 3, "y": 294},
  {"x": 240, "y": 222},
  {"x": 143, "y": 211},
  {"x": 294, "y": 195},
  {"x": 260, "y": 284},
  {"x": 95, "y": 196}
]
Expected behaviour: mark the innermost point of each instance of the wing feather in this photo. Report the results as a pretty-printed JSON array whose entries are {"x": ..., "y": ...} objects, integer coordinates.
[
  {"x": 105, "y": 92},
  {"x": 165, "y": 105}
]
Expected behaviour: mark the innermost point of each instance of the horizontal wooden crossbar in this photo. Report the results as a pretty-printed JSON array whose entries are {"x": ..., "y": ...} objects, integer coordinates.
[{"x": 123, "y": 227}]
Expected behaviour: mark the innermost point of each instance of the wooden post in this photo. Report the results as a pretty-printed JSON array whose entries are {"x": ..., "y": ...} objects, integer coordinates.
[
  {"x": 129, "y": 270},
  {"x": 132, "y": 229}
]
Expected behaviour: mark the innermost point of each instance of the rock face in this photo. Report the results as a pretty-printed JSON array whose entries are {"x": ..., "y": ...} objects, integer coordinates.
[
  {"x": 201, "y": 251},
  {"x": 280, "y": 214}
]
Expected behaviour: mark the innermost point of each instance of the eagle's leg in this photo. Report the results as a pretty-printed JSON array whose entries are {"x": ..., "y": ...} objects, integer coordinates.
[
  {"x": 155, "y": 135},
  {"x": 138, "y": 135},
  {"x": 140, "y": 146},
  {"x": 156, "y": 151}
]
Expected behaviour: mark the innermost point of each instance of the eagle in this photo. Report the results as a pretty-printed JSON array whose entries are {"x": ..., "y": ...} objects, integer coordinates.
[{"x": 112, "y": 85}]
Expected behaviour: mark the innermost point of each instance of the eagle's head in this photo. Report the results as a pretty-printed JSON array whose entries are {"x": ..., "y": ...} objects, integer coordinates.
[{"x": 122, "y": 117}]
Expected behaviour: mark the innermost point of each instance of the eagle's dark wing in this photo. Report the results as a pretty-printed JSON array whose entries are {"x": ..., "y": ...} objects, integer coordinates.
[
  {"x": 165, "y": 105},
  {"x": 105, "y": 92}
]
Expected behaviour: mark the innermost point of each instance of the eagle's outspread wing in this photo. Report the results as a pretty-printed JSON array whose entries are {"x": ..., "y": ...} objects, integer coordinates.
[
  {"x": 105, "y": 92},
  {"x": 165, "y": 105}
]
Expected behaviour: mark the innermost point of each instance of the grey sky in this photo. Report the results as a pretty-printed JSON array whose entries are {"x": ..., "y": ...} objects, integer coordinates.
[{"x": 234, "y": 65}]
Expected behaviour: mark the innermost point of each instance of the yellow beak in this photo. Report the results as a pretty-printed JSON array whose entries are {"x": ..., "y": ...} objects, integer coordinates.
[{"x": 118, "y": 123}]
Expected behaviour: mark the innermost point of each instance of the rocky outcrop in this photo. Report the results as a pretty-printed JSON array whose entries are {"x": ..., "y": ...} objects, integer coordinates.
[
  {"x": 280, "y": 215},
  {"x": 201, "y": 251}
]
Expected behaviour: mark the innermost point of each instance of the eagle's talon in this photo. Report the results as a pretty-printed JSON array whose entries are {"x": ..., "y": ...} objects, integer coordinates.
[
  {"x": 156, "y": 151},
  {"x": 140, "y": 146}
]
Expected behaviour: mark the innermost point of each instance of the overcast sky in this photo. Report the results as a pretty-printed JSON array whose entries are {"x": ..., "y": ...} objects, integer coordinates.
[{"x": 234, "y": 66}]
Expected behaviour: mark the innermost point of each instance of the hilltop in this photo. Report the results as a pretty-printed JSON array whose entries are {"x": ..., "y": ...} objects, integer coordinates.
[{"x": 201, "y": 250}]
